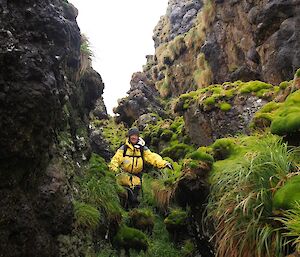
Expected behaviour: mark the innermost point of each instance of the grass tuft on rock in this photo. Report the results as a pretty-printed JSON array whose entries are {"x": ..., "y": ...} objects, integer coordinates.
[{"x": 86, "y": 216}]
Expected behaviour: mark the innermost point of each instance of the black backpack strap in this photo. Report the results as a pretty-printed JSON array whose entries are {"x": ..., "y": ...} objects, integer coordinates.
[{"x": 125, "y": 147}]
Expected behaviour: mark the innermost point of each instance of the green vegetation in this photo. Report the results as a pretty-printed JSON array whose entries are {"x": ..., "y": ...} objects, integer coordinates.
[
  {"x": 225, "y": 107},
  {"x": 200, "y": 156},
  {"x": 177, "y": 151},
  {"x": 131, "y": 238},
  {"x": 254, "y": 86},
  {"x": 297, "y": 74},
  {"x": 223, "y": 148},
  {"x": 287, "y": 118},
  {"x": 241, "y": 198},
  {"x": 288, "y": 196},
  {"x": 291, "y": 222},
  {"x": 85, "y": 55},
  {"x": 114, "y": 133},
  {"x": 98, "y": 188},
  {"x": 177, "y": 217},
  {"x": 86, "y": 215},
  {"x": 220, "y": 95},
  {"x": 142, "y": 219}
]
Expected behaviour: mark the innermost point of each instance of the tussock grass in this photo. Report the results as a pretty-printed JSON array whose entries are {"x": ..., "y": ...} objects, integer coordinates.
[
  {"x": 241, "y": 197},
  {"x": 86, "y": 215}
]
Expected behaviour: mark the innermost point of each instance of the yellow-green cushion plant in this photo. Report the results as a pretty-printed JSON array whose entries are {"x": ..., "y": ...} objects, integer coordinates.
[
  {"x": 131, "y": 238},
  {"x": 288, "y": 195},
  {"x": 287, "y": 118}
]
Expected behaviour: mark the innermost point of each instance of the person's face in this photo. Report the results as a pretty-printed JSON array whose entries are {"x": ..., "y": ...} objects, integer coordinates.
[{"x": 134, "y": 139}]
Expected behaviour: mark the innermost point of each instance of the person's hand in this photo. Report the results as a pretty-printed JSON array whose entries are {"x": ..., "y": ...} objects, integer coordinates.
[{"x": 169, "y": 166}]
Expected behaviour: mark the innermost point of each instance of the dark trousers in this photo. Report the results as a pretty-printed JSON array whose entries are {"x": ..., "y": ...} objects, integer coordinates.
[{"x": 132, "y": 197}]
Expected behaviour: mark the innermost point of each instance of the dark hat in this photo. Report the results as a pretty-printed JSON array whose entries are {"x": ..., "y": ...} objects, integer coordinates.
[{"x": 133, "y": 131}]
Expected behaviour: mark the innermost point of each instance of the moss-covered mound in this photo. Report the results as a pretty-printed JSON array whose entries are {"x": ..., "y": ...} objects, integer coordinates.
[
  {"x": 288, "y": 196},
  {"x": 142, "y": 219},
  {"x": 131, "y": 238},
  {"x": 283, "y": 118},
  {"x": 221, "y": 95},
  {"x": 287, "y": 118},
  {"x": 176, "y": 222}
]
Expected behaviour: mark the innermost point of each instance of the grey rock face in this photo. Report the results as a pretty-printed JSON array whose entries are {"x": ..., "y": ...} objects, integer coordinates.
[
  {"x": 142, "y": 98},
  {"x": 181, "y": 17},
  {"x": 205, "y": 126}
]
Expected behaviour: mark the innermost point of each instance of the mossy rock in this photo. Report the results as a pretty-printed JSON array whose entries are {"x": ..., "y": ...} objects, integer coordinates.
[
  {"x": 225, "y": 107},
  {"x": 287, "y": 118},
  {"x": 200, "y": 156},
  {"x": 177, "y": 151},
  {"x": 223, "y": 148},
  {"x": 288, "y": 195},
  {"x": 254, "y": 86},
  {"x": 142, "y": 219},
  {"x": 177, "y": 221},
  {"x": 131, "y": 238},
  {"x": 166, "y": 135}
]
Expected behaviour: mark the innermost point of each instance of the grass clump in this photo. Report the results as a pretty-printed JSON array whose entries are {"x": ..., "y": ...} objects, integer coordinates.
[
  {"x": 241, "y": 198},
  {"x": 86, "y": 216},
  {"x": 98, "y": 188},
  {"x": 291, "y": 225},
  {"x": 86, "y": 55},
  {"x": 177, "y": 217}
]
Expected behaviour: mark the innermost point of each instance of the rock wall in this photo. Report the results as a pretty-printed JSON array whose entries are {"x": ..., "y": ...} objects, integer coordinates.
[{"x": 44, "y": 112}]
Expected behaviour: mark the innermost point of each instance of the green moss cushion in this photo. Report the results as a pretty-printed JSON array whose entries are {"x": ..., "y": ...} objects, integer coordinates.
[
  {"x": 131, "y": 238},
  {"x": 287, "y": 120},
  {"x": 287, "y": 196}
]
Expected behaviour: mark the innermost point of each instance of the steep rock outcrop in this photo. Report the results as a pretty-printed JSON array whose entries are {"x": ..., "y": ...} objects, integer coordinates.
[
  {"x": 227, "y": 41},
  {"x": 142, "y": 98},
  {"x": 179, "y": 19},
  {"x": 44, "y": 117}
]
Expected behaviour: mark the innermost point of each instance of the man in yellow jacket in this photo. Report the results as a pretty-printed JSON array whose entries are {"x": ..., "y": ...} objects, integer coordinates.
[{"x": 128, "y": 164}]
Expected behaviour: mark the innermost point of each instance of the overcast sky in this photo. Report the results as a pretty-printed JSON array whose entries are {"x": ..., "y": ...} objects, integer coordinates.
[{"x": 120, "y": 33}]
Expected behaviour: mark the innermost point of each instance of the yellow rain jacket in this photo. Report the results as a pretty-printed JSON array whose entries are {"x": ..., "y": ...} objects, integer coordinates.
[{"x": 132, "y": 163}]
